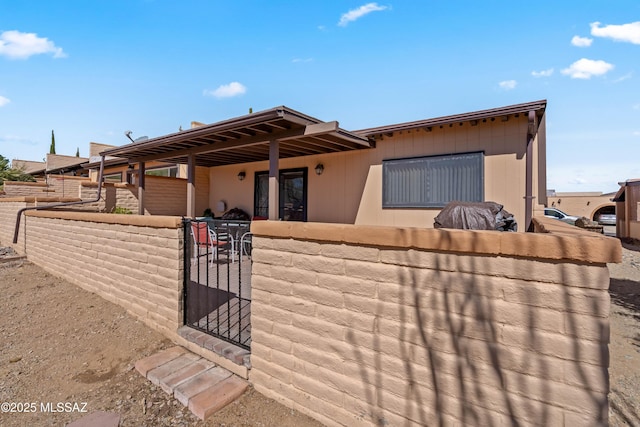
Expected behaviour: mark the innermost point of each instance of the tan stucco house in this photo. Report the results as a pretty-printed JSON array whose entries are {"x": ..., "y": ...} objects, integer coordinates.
[
  {"x": 588, "y": 204},
  {"x": 282, "y": 164},
  {"x": 348, "y": 320}
]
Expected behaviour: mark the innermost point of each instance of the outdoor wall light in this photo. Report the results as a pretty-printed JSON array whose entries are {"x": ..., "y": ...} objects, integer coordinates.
[
  {"x": 241, "y": 176},
  {"x": 319, "y": 169}
]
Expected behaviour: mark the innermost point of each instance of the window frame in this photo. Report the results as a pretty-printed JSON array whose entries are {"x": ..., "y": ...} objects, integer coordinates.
[
  {"x": 473, "y": 155},
  {"x": 305, "y": 192},
  {"x": 114, "y": 177}
]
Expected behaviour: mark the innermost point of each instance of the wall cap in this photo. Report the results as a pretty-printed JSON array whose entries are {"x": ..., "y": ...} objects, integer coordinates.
[
  {"x": 38, "y": 199},
  {"x": 154, "y": 221},
  {"x": 26, "y": 183},
  {"x": 552, "y": 241}
]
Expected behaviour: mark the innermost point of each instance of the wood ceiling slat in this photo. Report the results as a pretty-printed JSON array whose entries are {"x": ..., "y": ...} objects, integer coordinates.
[{"x": 246, "y": 139}]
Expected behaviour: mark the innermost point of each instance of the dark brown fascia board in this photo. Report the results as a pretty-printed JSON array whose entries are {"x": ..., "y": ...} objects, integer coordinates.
[
  {"x": 476, "y": 115},
  {"x": 248, "y": 120},
  {"x": 107, "y": 162},
  {"x": 222, "y": 126}
]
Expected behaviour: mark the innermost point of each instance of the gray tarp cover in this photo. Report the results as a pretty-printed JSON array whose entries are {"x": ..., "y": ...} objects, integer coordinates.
[{"x": 475, "y": 216}]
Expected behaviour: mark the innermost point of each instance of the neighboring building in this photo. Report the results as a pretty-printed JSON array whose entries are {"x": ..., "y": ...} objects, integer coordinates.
[
  {"x": 282, "y": 164},
  {"x": 118, "y": 169},
  {"x": 30, "y": 167},
  {"x": 59, "y": 164},
  {"x": 55, "y": 164},
  {"x": 582, "y": 204},
  {"x": 627, "y": 201}
]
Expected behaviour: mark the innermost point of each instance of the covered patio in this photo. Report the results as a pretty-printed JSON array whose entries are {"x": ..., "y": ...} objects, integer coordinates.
[{"x": 271, "y": 135}]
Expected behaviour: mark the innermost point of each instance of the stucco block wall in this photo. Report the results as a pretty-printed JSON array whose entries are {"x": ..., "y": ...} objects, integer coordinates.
[
  {"x": 56, "y": 186},
  {"x": 65, "y": 186},
  {"x": 19, "y": 189},
  {"x": 163, "y": 195},
  {"x": 380, "y": 326},
  {"x": 9, "y": 208},
  {"x": 168, "y": 196},
  {"x": 135, "y": 262}
]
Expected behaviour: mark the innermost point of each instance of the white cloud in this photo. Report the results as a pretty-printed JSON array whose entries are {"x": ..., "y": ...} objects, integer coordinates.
[
  {"x": 622, "y": 33},
  {"x": 578, "y": 181},
  {"x": 17, "y": 45},
  {"x": 4, "y": 101},
  {"x": 636, "y": 133},
  {"x": 586, "y": 68},
  {"x": 358, "y": 13},
  {"x": 623, "y": 78},
  {"x": 581, "y": 41},
  {"x": 227, "y": 91},
  {"x": 508, "y": 84},
  {"x": 543, "y": 73}
]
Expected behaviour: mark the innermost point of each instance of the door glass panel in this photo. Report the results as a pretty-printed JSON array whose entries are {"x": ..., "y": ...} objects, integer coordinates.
[
  {"x": 261, "y": 197},
  {"x": 292, "y": 195}
]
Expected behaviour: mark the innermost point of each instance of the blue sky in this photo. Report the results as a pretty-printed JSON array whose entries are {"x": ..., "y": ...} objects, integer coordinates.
[{"x": 90, "y": 70}]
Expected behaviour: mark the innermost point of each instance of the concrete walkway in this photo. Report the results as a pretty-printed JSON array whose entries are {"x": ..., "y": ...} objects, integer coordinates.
[{"x": 194, "y": 381}]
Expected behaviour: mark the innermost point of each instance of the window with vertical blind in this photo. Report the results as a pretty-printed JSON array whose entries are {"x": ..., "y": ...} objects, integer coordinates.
[{"x": 434, "y": 181}]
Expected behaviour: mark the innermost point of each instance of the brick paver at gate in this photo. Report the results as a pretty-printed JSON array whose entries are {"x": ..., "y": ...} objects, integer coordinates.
[{"x": 194, "y": 381}]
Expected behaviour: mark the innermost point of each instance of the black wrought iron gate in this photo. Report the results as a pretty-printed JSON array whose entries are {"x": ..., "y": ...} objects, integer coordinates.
[{"x": 217, "y": 279}]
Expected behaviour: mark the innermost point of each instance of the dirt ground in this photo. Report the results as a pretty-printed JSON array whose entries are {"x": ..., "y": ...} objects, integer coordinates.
[
  {"x": 63, "y": 345},
  {"x": 624, "y": 347}
]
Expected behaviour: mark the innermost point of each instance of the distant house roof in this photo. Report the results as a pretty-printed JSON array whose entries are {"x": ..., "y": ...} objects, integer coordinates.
[
  {"x": 29, "y": 167},
  {"x": 61, "y": 163},
  {"x": 537, "y": 106},
  {"x": 246, "y": 139}
]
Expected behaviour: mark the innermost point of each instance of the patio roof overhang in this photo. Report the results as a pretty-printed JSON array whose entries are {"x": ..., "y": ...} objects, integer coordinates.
[{"x": 246, "y": 139}]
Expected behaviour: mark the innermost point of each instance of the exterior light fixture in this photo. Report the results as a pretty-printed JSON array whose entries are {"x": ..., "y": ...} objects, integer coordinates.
[
  {"x": 319, "y": 169},
  {"x": 241, "y": 176}
]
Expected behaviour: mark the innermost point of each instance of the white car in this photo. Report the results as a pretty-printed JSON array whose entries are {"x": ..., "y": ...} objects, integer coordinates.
[
  {"x": 558, "y": 214},
  {"x": 607, "y": 219}
]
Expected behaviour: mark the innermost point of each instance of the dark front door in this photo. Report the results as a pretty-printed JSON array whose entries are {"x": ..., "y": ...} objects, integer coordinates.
[{"x": 293, "y": 195}]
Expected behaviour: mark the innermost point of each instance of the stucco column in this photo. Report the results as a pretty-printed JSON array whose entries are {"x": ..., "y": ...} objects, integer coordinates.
[
  {"x": 274, "y": 177},
  {"x": 191, "y": 186},
  {"x": 141, "y": 184}
]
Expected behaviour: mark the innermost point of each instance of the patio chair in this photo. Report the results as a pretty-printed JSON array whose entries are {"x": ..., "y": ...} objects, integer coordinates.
[
  {"x": 223, "y": 241},
  {"x": 206, "y": 242},
  {"x": 246, "y": 241}
]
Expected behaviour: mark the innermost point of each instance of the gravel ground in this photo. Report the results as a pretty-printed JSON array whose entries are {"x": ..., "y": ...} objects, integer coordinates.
[
  {"x": 624, "y": 348},
  {"x": 61, "y": 344}
]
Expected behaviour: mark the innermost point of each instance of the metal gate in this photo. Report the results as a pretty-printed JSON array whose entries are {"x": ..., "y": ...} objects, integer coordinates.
[{"x": 217, "y": 279}]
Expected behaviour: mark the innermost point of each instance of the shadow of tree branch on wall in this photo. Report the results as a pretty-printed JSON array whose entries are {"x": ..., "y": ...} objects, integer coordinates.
[{"x": 483, "y": 345}]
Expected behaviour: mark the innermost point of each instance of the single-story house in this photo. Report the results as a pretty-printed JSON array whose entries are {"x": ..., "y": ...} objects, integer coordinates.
[
  {"x": 285, "y": 165},
  {"x": 589, "y": 204},
  {"x": 363, "y": 315}
]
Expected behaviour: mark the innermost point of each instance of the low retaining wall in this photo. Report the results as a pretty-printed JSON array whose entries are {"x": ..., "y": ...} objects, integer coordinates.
[
  {"x": 362, "y": 326},
  {"x": 9, "y": 208},
  {"x": 133, "y": 261},
  {"x": 25, "y": 189}
]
